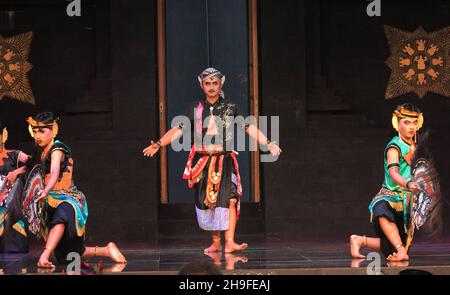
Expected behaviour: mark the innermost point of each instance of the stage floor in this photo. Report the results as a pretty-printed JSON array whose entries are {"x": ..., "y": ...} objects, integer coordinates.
[{"x": 262, "y": 257}]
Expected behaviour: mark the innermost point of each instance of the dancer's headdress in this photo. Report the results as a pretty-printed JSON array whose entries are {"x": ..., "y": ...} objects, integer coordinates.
[
  {"x": 407, "y": 110},
  {"x": 43, "y": 120},
  {"x": 210, "y": 73}
]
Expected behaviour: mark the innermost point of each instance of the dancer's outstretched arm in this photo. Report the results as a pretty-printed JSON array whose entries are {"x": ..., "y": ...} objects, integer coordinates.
[
  {"x": 167, "y": 138},
  {"x": 56, "y": 159},
  {"x": 256, "y": 134}
]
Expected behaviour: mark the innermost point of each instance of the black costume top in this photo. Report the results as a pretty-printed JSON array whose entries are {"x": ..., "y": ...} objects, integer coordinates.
[{"x": 9, "y": 161}]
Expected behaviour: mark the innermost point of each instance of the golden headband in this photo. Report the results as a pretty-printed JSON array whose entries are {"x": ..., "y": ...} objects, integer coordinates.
[
  {"x": 405, "y": 113},
  {"x": 33, "y": 124},
  {"x": 4, "y": 135}
]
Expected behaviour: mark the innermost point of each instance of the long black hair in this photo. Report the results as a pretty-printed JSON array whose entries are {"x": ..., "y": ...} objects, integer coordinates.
[
  {"x": 45, "y": 117},
  {"x": 409, "y": 106}
]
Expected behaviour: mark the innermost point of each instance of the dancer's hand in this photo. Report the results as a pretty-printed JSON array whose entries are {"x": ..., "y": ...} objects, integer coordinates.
[
  {"x": 11, "y": 177},
  {"x": 413, "y": 186},
  {"x": 274, "y": 149},
  {"x": 152, "y": 149},
  {"x": 42, "y": 195}
]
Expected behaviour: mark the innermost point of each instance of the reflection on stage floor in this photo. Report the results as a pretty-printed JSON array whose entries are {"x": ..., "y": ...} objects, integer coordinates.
[{"x": 262, "y": 257}]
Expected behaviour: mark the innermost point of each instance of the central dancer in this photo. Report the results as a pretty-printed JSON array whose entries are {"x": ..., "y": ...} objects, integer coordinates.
[{"x": 212, "y": 168}]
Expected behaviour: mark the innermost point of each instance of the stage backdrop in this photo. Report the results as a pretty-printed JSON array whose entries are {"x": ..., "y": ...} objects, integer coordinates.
[{"x": 200, "y": 34}]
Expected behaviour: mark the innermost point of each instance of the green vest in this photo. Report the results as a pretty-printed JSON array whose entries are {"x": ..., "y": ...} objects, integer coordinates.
[
  {"x": 392, "y": 193},
  {"x": 395, "y": 195},
  {"x": 404, "y": 169}
]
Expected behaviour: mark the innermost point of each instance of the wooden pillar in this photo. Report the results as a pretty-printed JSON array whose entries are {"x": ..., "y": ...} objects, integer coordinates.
[
  {"x": 254, "y": 93},
  {"x": 162, "y": 95}
]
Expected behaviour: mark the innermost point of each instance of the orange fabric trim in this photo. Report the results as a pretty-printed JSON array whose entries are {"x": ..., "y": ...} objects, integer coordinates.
[
  {"x": 54, "y": 203},
  {"x": 65, "y": 182},
  {"x": 214, "y": 181},
  {"x": 3, "y": 156},
  {"x": 20, "y": 230},
  {"x": 409, "y": 156}
]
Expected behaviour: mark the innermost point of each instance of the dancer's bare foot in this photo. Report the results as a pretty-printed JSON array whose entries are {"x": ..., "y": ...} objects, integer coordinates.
[
  {"x": 231, "y": 259},
  {"x": 356, "y": 243},
  {"x": 216, "y": 257},
  {"x": 401, "y": 255},
  {"x": 356, "y": 262},
  {"x": 41, "y": 270},
  {"x": 215, "y": 247},
  {"x": 231, "y": 246},
  {"x": 117, "y": 267},
  {"x": 398, "y": 263},
  {"x": 115, "y": 254}
]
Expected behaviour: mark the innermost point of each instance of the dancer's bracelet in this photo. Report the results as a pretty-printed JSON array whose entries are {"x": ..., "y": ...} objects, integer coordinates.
[
  {"x": 407, "y": 184},
  {"x": 158, "y": 143},
  {"x": 48, "y": 249}
]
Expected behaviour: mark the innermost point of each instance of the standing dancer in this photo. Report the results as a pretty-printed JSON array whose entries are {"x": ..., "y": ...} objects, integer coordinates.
[{"x": 212, "y": 168}]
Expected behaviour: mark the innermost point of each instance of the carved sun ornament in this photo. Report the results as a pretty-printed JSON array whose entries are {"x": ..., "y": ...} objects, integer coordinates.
[
  {"x": 419, "y": 62},
  {"x": 14, "y": 67}
]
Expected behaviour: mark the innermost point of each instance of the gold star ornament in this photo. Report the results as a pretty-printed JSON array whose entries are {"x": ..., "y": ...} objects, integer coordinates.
[
  {"x": 419, "y": 62},
  {"x": 14, "y": 67}
]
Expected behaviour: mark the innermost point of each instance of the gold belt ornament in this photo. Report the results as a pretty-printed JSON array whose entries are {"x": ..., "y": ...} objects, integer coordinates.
[{"x": 213, "y": 182}]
